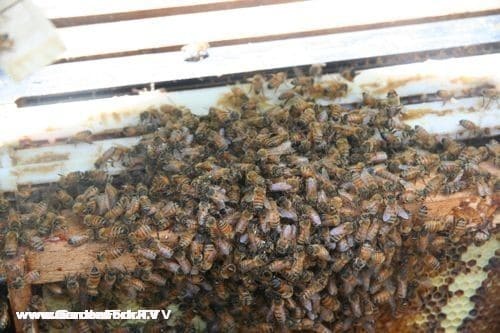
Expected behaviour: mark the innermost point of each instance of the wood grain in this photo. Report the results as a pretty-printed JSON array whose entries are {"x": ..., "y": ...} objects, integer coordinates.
[{"x": 18, "y": 298}]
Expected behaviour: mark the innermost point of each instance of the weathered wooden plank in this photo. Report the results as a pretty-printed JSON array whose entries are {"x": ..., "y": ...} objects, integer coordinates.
[
  {"x": 171, "y": 67},
  {"x": 19, "y": 298},
  {"x": 296, "y": 17},
  {"x": 53, "y": 121}
]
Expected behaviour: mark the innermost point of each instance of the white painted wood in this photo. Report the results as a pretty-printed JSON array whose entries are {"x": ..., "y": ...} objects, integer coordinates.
[
  {"x": 55, "y": 9},
  {"x": 35, "y": 40},
  {"x": 142, "y": 69},
  {"x": 252, "y": 22},
  {"x": 79, "y": 157},
  {"x": 50, "y": 122},
  {"x": 445, "y": 117}
]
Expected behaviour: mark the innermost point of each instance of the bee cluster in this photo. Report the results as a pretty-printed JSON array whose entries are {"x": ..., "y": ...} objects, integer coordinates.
[{"x": 266, "y": 216}]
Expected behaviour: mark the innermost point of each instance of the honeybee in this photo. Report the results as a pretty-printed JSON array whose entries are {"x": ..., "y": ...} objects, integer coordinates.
[
  {"x": 393, "y": 211},
  {"x": 11, "y": 243},
  {"x": 471, "y": 127},
  {"x": 381, "y": 297},
  {"x": 111, "y": 253},
  {"x": 159, "y": 184},
  {"x": 445, "y": 95},
  {"x": 79, "y": 239},
  {"x": 280, "y": 265},
  {"x": 434, "y": 185},
  {"x": 318, "y": 251},
  {"x": 489, "y": 94},
  {"x": 93, "y": 279},
  {"x": 31, "y": 277},
  {"x": 195, "y": 51},
  {"x": 112, "y": 233},
  {"x": 334, "y": 89},
  {"x": 209, "y": 255},
  {"x": 348, "y": 73},
  {"x": 64, "y": 198},
  {"x": 373, "y": 230},
  {"x": 278, "y": 310},
  {"x": 276, "y": 80},
  {"x": 369, "y": 100},
  {"x": 431, "y": 262},
  {"x": 154, "y": 278},
  {"x": 145, "y": 253},
  {"x": 424, "y": 138},
  {"x": 117, "y": 210},
  {"x": 341, "y": 231},
  {"x": 5, "y": 42},
  {"x": 428, "y": 161},
  {"x": 94, "y": 221},
  {"x": 80, "y": 137},
  {"x": 256, "y": 84}
]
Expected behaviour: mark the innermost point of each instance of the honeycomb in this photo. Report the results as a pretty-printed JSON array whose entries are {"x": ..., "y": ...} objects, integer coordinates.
[{"x": 463, "y": 298}]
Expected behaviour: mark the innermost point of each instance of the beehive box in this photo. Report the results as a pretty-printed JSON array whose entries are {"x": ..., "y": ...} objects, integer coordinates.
[{"x": 116, "y": 49}]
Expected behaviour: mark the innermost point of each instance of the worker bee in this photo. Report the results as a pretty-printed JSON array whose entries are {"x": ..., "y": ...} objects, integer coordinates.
[
  {"x": 304, "y": 231},
  {"x": 154, "y": 278},
  {"x": 64, "y": 198},
  {"x": 431, "y": 262},
  {"x": 256, "y": 84},
  {"x": 373, "y": 230},
  {"x": 79, "y": 239},
  {"x": 341, "y": 231},
  {"x": 93, "y": 279},
  {"x": 159, "y": 184},
  {"x": 136, "y": 284},
  {"x": 223, "y": 116},
  {"x": 489, "y": 95},
  {"x": 276, "y": 80},
  {"x": 112, "y": 233},
  {"x": 31, "y": 277},
  {"x": 253, "y": 263},
  {"x": 209, "y": 255},
  {"x": 428, "y": 161},
  {"x": 412, "y": 172},
  {"x": 111, "y": 253},
  {"x": 6, "y": 42},
  {"x": 80, "y": 137},
  {"x": 318, "y": 251},
  {"x": 471, "y": 127},
  {"x": 445, "y": 95},
  {"x": 383, "y": 296},
  {"x": 423, "y": 138},
  {"x": 456, "y": 185},
  {"x": 434, "y": 185},
  {"x": 278, "y": 310},
  {"x": 94, "y": 221},
  {"x": 393, "y": 211},
  {"x": 11, "y": 243},
  {"x": 195, "y": 51},
  {"x": 280, "y": 265}
]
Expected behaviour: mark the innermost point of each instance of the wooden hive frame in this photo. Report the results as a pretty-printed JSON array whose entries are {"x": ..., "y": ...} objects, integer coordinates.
[{"x": 116, "y": 47}]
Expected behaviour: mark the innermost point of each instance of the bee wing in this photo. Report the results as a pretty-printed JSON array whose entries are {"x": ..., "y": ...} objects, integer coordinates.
[
  {"x": 388, "y": 211},
  {"x": 402, "y": 213}
]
